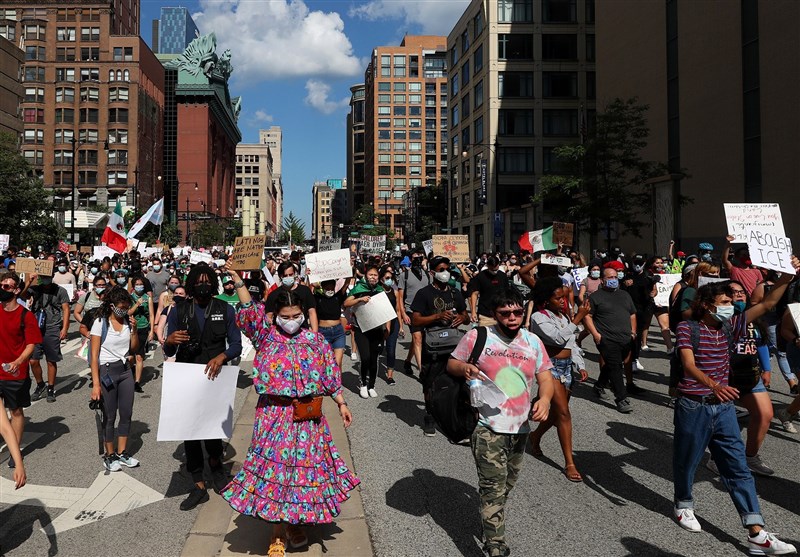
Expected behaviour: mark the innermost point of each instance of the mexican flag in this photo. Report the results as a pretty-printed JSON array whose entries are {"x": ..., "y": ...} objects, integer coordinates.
[
  {"x": 538, "y": 240},
  {"x": 114, "y": 236}
]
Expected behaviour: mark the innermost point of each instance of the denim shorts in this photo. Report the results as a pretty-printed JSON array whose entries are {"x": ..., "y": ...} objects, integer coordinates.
[
  {"x": 759, "y": 388},
  {"x": 562, "y": 371},
  {"x": 335, "y": 336}
]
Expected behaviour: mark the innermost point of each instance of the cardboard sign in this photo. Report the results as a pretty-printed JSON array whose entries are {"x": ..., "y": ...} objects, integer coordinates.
[
  {"x": 374, "y": 245},
  {"x": 86, "y": 249},
  {"x": 200, "y": 257},
  {"x": 563, "y": 233},
  {"x": 4, "y": 240},
  {"x": 328, "y": 265},
  {"x": 770, "y": 250},
  {"x": 741, "y": 217},
  {"x": 248, "y": 252},
  {"x": 664, "y": 288},
  {"x": 101, "y": 252},
  {"x": 794, "y": 311},
  {"x": 453, "y": 246},
  {"x": 374, "y": 313},
  {"x": 41, "y": 267},
  {"x": 427, "y": 245},
  {"x": 329, "y": 244},
  {"x": 561, "y": 261}
]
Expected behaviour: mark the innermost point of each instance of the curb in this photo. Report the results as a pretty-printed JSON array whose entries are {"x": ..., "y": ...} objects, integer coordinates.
[{"x": 218, "y": 530}]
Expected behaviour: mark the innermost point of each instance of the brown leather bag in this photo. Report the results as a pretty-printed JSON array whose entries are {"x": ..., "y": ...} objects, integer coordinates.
[{"x": 308, "y": 408}]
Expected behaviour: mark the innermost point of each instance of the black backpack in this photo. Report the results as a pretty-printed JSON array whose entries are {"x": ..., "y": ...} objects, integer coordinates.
[
  {"x": 675, "y": 314},
  {"x": 447, "y": 399}
]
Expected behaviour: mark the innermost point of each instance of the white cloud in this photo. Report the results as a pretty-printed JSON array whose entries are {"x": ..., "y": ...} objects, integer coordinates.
[
  {"x": 430, "y": 17},
  {"x": 319, "y": 97},
  {"x": 279, "y": 39},
  {"x": 262, "y": 116}
]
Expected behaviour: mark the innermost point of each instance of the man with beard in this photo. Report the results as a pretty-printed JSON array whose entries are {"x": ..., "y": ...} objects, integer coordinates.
[
  {"x": 410, "y": 282},
  {"x": 202, "y": 327}
]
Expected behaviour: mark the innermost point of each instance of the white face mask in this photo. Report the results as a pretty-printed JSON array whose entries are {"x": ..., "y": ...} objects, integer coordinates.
[
  {"x": 330, "y": 293},
  {"x": 290, "y": 326},
  {"x": 442, "y": 276}
]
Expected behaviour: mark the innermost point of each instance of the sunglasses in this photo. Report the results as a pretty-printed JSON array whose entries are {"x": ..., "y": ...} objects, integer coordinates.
[
  {"x": 737, "y": 291},
  {"x": 510, "y": 312}
]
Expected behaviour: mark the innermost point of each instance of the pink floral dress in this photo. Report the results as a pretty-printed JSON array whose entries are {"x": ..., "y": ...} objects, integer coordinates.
[{"x": 292, "y": 472}]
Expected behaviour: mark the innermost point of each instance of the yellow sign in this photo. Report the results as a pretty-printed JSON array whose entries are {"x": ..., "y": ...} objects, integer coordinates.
[
  {"x": 41, "y": 267},
  {"x": 248, "y": 252},
  {"x": 453, "y": 246}
]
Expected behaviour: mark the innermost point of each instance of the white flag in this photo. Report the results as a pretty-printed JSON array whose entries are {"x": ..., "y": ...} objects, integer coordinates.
[{"x": 154, "y": 214}]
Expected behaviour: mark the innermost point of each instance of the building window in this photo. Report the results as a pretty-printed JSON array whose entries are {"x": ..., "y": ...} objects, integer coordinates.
[
  {"x": 384, "y": 86},
  {"x": 384, "y": 146},
  {"x": 34, "y": 94},
  {"x": 63, "y": 157},
  {"x": 515, "y": 46},
  {"x": 453, "y": 56},
  {"x": 559, "y": 11},
  {"x": 65, "y": 54},
  {"x": 65, "y": 14},
  {"x": 515, "y": 84},
  {"x": 559, "y": 122},
  {"x": 118, "y": 94},
  {"x": 384, "y": 171},
  {"x": 34, "y": 73},
  {"x": 413, "y": 66},
  {"x": 65, "y": 115},
  {"x": 465, "y": 74},
  {"x": 464, "y": 41},
  {"x": 400, "y": 98},
  {"x": 400, "y": 87},
  {"x": 477, "y": 60},
  {"x": 591, "y": 85},
  {"x": 91, "y": 94},
  {"x": 415, "y": 85},
  {"x": 87, "y": 156},
  {"x": 384, "y": 159},
  {"x": 515, "y": 160},
  {"x": 384, "y": 98},
  {"x": 90, "y": 53},
  {"x": 64, "y": 136},
  {"x": 66, "y": 34},
  {"x": 65, "y": 74},
  {"x": 88, "y": 115},
  {"x": 119, "y": 177},
  {"x": 384, "y": 182},
  {"x": 400, "y": 146},
  {"x": 399, "y": 122},
  {"x": 515, "y": 11},
  {"x": 399, "y": 111},
  {"x": 33, "y": 136},
  {"x": 384, "y": 134},
  {"x": 454, "y": 119},
  {"x": 560, "y": 84},
  {"x": 477, "y": 125},
  {"x": 8, "y": 31},
  {"x": 123, "y": 54},
  {"x": 33, "y": 157},
  {"x": 590, "y": 51},
  {"x": 118, "y": 136},
  {"x": 477, "y": 24},
  {"x": 384, "y": 110},
  {"x": 589, "y": 11},
  {"x": 89, "y": 136},
  {"x": 415, "y": 99},
  {"x": 400, "y": 158},
  {"x": 454, "y": 87},
  {"x": 560, "y": 47},
  {"x": 34, "y": 53},
  {"x": 384, "y": 122},
  {"x": 118, "y": 115},
  {"x": 90, "y": 34},
  {"x": 414, "y": 146},
  {"x": 515, "y": 122},
  {"x": 117, "y": 157},
  {"x": 465, "y": 107}
]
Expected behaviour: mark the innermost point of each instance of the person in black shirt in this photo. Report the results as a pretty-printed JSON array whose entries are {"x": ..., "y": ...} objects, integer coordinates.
[
  {"x": 289, "y": 276},
  {"x": 395, "y": 326},
  {"x": 481, "y": 288},
  {"x": 329, "y": 301}
]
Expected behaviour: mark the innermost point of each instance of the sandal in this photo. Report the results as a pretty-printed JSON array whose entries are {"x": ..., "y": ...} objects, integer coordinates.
[
  {"x": 277, "y": 548},
  {"x": 296, "y": 537},
  {"x": 574, "y": 476}
]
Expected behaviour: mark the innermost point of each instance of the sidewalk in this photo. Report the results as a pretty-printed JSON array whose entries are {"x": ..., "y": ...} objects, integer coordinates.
[{"x": 220, "y": 531}]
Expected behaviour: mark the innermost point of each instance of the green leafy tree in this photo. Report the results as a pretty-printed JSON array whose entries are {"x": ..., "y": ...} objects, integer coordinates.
[
  {"x": 603, "y": 181},
  {"x": 431, "y": 214},
  {"x": 297, "y": 228}
]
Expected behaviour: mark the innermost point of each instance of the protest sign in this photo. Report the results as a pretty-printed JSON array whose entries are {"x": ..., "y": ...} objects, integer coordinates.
[
  {"x": 374, "y": 245},
  {"x": 70, "y": 291},
  {"x": 328, "y": 265},
  {"x": 248, "y": 252},
  {"x": 354, "y": 247},
  {"x": 702, "y": 281},
  {"x": 741, "y": 217},
  {"x": 794, "y": 311},
  {"x": 219, "y": 263},
  {"x": 563, "y": 233},
  {"x": 100, "y": 252},
  {"x": 182, "y": 418},
  {"x": 664, "y": 288},
  {"x": 453, "y": 246},
  {"x": 580, "y": 275},
  {"x": 202, "y": 257},
  {"x": 329, "y": 244},
  {"x": 41, "y": 267},
  {"x": 86, "y": 249},
  {"x": 561, "y": 261},
  {"x": 427, "y": 245},
  {"x": 374, "y": 313},
  {"x": 4, "y": 240},
  {"x": 770, "y": 250}
]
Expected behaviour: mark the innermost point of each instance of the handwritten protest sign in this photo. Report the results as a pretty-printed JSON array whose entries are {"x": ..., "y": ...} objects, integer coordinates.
[
  {"x": 248, "y": 251},
  {"x": 4, "y": 240},
  {"x": 580, "y": 275},
  {"x": 201, "y": 257},
  {"x": 329, "y": 244},
  {"x": 664, "y": 288},
  {"x": 770, "y": 250},
  {"x": 794, "y": 311},
  {"x": 101, "y": 252},
  {"x": 374, "y": 245},
  {"x": 374, "y": 313},
  {"x": 86, "y": 249},
  {"x": 328, "y": 265},
  {"x": 741, "y": 217},
  {"x": 41, "y": 267},
  {"x": 427, "y": 246},
  {"x": 453, "y": 246},
  {"x": 563, "y": 233},
  {"x": 70, "y": 289},
  {"x": 550, "y": 259}
]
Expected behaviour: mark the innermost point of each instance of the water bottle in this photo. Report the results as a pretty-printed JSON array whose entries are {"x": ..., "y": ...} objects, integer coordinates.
[
  {"x": 475, "y": 393},
  {"x": 7, "y": 369}
]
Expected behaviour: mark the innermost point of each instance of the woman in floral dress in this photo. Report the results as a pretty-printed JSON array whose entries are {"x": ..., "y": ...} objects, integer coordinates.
[{"x": 292, "y": 474}]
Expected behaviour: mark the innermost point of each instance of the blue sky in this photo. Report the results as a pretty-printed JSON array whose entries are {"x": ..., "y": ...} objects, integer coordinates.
[{"x": 294, "y": 63}]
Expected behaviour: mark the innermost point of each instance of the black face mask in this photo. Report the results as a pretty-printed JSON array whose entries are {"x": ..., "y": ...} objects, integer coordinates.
[
  {"x": 178, "y": 299},
  {"x": 506, "y": 332},
  {"x": 416, "y": 262},
  {"x": 202, "y": 291},
  {"x": 6, "y": 295},
  {"x": 229, "y": 291}
]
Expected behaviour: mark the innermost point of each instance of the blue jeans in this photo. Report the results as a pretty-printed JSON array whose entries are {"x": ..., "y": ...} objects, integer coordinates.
[
  {"x": 793, "y": 358},
  {"x": 391, "y": 343},
  {"x": 335, "y": 336},
  {"x": 562, "y": 371},
  {"x": 783, "y": 361},
  {"x": 697, "y": 426}
]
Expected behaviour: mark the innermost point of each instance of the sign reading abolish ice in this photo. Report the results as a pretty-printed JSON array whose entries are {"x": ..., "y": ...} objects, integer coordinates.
[
  {"x": 741, "y": 217},
  {"x": 374, "y": 313},
  {"x": 664, "y": 287},
  {"x": 328, "y": 265},
  {"x": 453, "y": 246},
  {"x": 770, "y": 250},
  {"x": 192, "y": 407}
]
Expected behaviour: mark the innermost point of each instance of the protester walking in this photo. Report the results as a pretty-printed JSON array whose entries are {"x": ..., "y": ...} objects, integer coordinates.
[{"x": 142, "y": 311}]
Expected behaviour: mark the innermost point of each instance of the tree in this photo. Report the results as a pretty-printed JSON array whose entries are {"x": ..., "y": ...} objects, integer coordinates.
[
  {"x": 430, "y": 214},
  {"x": 297, "y": 228},
  {"x": 604, "y": 181},
  {"x": 26, "y": 208}
]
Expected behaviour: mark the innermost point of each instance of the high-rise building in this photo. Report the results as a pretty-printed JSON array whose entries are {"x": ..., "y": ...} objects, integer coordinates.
[
  {"x": 273, "y": 137},
  {"x": 522, "y": 81},
  {"x": 321, "y": 221},
  {"x": 717, "y": 77},
  {"x": 94, "y": 99},
  {"x": 405, "y": 139},
  {"x": 340, "y": 205},
  {"x": 254, "y": 187},
  {"x": 356, "y": 119},
  {"x": 11, "y": 90},
  {"x": 174, "y": 31}
]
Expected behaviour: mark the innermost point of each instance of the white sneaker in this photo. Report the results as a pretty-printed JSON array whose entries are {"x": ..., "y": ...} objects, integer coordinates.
[
  {"x": 373, "y": 393},
  {"x": 127, "y": 460},
  {"x": 111, "y": 463},
  {"x": 786, "y": 421},
  {"x": 638, "y": 365},
  {"x": 354, "y": 357},
  {"x": 766, "y": 543},
  {"x": 758, "y": 467},
  {"x": 645, "y": 348},
  {"x": 362, "y": 392},
  {"x": 687, "y": 520}
]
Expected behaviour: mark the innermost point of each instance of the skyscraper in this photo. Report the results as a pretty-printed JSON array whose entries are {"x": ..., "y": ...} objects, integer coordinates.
[
  {"x": 274, "y": 138},
  {"x": 355, "y": 148},
  {"x": 175, "y": 29}
]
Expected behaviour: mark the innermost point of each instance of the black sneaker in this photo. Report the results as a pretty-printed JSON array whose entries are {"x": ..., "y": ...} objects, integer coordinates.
[
  {"x": 795, "y": 389},
  {"x": 220, "y": 478},
  {"x": 39, "y": 391},
  {"x": 634, "y": 389},
  {"x": 11, "y": 463},
  {"x": 429, "y": 429},
  {"x": 137, "y": 387},
  {"x": 390, "y": 381},
  {"x": 407, "y": 368},
  {"x": 624, "y": 406},
  {"x": 196, "y": 497},
  {"x": 51, "y": 394}
]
